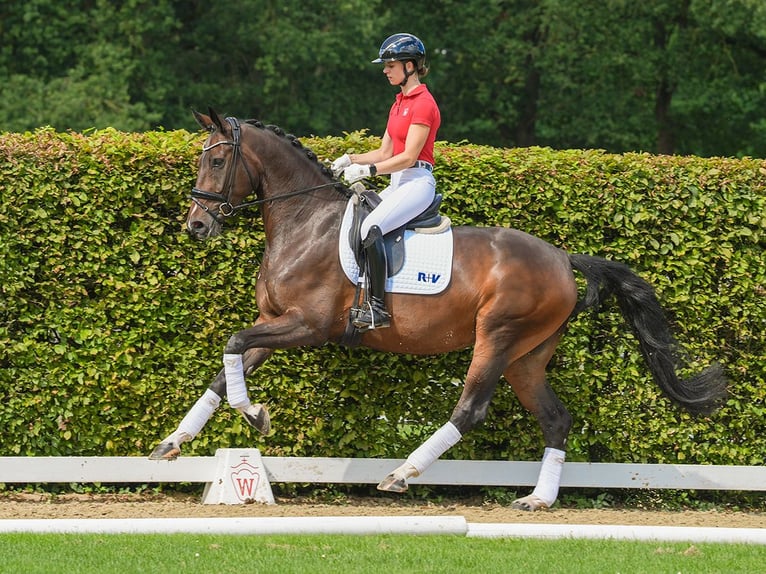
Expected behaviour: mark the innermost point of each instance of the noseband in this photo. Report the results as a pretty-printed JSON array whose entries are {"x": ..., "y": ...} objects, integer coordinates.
[{"x": 225, "y": 207}]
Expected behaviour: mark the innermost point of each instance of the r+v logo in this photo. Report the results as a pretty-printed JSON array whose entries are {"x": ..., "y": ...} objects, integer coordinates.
[{"x": 428, "y": 277}]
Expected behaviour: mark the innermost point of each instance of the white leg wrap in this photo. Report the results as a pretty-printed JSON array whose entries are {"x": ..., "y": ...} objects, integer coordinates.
[
  {"x": 236, "y": 391},
  {"x": 199, "y": 414},
  {"x": 437, "y": 444},
  {"x": 549, "y": 479}
]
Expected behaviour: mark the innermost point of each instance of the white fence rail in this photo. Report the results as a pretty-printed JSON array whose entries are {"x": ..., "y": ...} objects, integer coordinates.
[
  {"x": 238, "y": 476},
  {"x": 371, "y": 471}
]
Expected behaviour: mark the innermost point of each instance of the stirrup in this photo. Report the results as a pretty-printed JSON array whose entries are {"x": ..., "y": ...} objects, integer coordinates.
[{"x": 371, "y": 317}]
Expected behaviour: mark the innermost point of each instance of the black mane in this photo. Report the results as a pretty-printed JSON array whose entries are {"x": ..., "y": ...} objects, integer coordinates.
[{"x": 295, "y": 142}]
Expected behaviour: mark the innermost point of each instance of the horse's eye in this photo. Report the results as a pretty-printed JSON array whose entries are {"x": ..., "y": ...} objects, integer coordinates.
[{"x": 218, "y": 162}]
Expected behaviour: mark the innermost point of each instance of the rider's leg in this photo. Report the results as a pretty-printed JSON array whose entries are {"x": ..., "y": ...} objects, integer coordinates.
[
  {"x": 375, "y": 315},
  {"x": 404, "y": 199}
]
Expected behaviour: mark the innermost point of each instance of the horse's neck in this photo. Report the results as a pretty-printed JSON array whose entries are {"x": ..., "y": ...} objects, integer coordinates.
[
  {"x": 303, "y": 221},
  {"x": 310, "y": 222}
]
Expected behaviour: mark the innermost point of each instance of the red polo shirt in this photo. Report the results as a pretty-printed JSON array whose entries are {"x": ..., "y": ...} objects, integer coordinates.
[{"x": 417, "y": 107}]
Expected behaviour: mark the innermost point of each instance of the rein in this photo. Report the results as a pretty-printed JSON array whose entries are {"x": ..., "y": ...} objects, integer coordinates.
[{"x": 225, "y": 207}]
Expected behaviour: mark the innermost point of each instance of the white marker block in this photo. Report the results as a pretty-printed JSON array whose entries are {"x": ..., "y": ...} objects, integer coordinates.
[{"x": 240, "y": 478}]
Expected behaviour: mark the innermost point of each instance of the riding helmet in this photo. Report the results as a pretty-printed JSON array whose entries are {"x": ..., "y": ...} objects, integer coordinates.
[{"x": 401, "y": 47}]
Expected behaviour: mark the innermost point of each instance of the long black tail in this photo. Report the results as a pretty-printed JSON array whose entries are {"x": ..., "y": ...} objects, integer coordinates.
[{"x": 701, "y": 394}]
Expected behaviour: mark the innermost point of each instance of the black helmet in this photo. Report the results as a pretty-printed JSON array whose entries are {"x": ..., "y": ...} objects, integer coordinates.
[{"x": 401, "y": 47}]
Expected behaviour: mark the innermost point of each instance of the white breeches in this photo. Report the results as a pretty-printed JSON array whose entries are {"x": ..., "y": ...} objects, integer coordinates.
[{"x": 410, "y": 192}]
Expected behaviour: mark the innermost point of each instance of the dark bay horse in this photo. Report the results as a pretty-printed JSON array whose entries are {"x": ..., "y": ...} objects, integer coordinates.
[{"x": 510, "y": 297}]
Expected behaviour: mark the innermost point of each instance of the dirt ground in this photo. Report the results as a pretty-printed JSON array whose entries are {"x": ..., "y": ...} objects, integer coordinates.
[{"x": 18, "y": 505}]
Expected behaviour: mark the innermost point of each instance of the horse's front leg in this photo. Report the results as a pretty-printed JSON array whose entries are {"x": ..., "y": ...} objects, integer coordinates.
[
  {"x": 245, "y": 351},
  {"x": 255, "y": 414}
]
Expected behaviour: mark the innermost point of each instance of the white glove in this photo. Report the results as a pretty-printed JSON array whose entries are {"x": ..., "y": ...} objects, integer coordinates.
[
  {"x": 340, "y": 164},
  {"x": 355, "y": 172}
]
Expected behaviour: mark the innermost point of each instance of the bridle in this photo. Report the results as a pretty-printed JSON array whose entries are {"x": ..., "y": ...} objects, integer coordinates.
[{"x": 225, "y": 207}]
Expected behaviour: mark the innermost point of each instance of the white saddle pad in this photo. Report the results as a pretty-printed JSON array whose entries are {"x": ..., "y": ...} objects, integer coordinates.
[{"x": 427, "y": 266}]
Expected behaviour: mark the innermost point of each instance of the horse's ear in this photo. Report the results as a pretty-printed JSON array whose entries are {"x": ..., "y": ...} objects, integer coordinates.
[
  {"x": 216, "y": 119},
  {"x": 204, "y": 121}
]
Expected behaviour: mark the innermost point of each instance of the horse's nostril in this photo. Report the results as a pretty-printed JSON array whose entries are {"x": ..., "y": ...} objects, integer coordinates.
[{"x": 196, "y": 228}]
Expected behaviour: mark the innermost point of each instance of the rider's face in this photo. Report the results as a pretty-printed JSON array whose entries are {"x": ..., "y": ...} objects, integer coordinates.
[{"x": 394, "y": 71}]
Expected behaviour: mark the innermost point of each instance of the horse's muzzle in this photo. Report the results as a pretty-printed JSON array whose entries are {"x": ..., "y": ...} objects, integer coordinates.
[{"x": 200, "y": 229}]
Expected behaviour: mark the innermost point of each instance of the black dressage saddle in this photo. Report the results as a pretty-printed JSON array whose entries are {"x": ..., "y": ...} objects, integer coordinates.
[{"x": 428, "y": 221}]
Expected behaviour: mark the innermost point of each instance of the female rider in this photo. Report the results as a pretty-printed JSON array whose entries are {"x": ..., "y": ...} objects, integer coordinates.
[{"x": 406, "y": 153}]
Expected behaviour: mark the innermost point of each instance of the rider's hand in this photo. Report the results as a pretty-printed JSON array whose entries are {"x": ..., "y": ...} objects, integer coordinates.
[
  {"x": 340, "y": 164},
  {"x": 355, "y": 172}
]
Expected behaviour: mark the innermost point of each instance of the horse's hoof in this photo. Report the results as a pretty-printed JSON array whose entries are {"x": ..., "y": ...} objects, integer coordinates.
[
  {"x": 165, "y": 451},
  {"x": 393, "y": 484},
  {"x": 257, "y": 416},
  {"x": 529, "y": 503}
]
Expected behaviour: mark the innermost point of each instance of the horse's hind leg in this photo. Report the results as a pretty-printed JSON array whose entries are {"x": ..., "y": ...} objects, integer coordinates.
[
  {"x": 481, "y": 381},
  {"x": 206, "y": 405},
  {"x": 527, "y": 378}
]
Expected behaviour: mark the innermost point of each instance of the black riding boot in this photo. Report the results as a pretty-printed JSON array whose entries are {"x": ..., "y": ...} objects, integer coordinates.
[{"x": 374, "y": 315}]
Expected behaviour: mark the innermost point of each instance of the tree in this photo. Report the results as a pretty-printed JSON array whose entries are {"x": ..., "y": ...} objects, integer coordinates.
[
  {"x": 303, "y": 65},
  {"x": 484, "y": 71},
  {"x": 668, "y": 76},
  {"x": 662, "y": 76},
  {"x": 721, "y": 105},
  {"x": 77, "y": 64}
]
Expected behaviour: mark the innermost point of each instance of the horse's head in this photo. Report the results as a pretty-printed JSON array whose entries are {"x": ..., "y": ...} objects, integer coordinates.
[
  {"x": 223, "y": 180},
  {"x": 232, "y": 167}
]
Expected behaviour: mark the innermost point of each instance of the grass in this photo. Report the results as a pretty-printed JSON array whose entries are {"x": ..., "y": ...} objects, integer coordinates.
[{"x": 221, "y": 554}]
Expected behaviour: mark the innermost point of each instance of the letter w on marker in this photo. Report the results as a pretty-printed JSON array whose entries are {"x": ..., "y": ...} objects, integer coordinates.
[{"x": 245, "y": 486}]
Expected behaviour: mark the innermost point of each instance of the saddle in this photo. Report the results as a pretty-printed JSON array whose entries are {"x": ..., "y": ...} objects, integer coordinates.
[{"x": 428, "y": 221}]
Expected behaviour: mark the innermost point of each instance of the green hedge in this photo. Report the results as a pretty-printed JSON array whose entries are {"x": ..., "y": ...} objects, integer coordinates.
[{"x": 112, "y": 320}]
